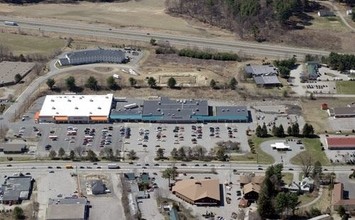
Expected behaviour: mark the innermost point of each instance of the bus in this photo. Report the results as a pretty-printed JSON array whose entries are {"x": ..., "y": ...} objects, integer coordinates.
[
  {"x": 113, "y": 166},
  {"x": 69, "y": 166}
]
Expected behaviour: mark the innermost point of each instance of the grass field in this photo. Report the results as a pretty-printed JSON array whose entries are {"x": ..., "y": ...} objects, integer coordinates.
[
  {"x": 287, "y": 178},
  {"x": 25, "y": 44},
  {"x": 322, "y": 204},
  {"x": 345, "y": 87},
  {"x": 327, "y": 23},
  {"x": 314, "y": 149},
  {"x": 260, "y": 157}
]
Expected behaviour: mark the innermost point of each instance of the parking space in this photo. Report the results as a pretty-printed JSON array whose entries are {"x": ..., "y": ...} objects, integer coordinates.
[
  {"x": 147, "y": 138},
  {"x": 54, "y": 185}
]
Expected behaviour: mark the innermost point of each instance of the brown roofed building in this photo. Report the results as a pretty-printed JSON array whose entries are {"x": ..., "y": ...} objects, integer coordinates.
[
  {"x": 251, "y": 191},
  {"x": 338, "y": 199},
  {"x": 198, "y": 192},
  {"x": 245, "y": 179},
  {"x": 341, "y": 143}
]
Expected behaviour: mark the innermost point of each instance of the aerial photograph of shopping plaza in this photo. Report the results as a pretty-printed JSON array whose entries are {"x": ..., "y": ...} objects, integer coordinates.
[{"x": 177, "y": 109}]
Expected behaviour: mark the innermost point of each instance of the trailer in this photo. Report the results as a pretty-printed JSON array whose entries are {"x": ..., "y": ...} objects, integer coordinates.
[
  {"x": 10, "y": 23},
  {"x": 130, "y": 106},
  {"x": 113, "y": 166}
]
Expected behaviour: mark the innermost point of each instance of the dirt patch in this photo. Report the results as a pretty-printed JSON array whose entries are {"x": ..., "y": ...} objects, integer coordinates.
[{"x": 103, "y": 69}]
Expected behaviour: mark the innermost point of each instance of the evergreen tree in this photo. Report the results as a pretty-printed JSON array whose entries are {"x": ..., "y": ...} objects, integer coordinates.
[
  {"x": 152, "y": 82},
  {"x": 233, "y": 83},
  {"x": 213, "y": 84},
  {"x": 289, "y": 131},
  {"x": 295, "y": 129},
  {"x": 171, "y": 82},
  {"x": 50, "y": 83},
  {"x": 174, "y": 154},
  {"x": 274, "y": 130},
  {"x": 264, "y": 131},
  {"x": 280, "y": 131},
  {"x": 258, "y": 131}
]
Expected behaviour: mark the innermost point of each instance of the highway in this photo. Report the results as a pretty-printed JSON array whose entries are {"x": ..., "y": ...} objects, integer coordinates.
[
  {"x": 124, "y": 167},
  {"x": 97, "y": 30}
]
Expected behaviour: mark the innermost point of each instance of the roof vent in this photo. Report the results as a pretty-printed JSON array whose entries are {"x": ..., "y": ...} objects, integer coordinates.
[
  {"x": 69, "y": 100},
  {"x": 159, "y": 103},
  {"x": 198, "y": 183},
  {"x": 90, "y": 113},
  {"x": 158, "y": 109},
  {"x": 222, "y": 110},
  {"x": 53, "y": 108},
  {"x": 73, "y": 97},
  {"x": 197, "y": 110},
  {"x": 178, "y": 109},
  {"x": 52, "y": 100},
  {"x": 91, "y": 100},
  {"x": 197, "y": 103},
  {"x": 57, "y": 113},
  {"x": 76, "y": 108},
  {"x": 99, "y": 107}
]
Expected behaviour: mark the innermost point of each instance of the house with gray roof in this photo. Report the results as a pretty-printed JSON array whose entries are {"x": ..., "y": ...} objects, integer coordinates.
[
  {"x": 266, "y": 81},
  {"x": 93, "y": 56},
  {"x": 16, "y": 188},
  {"x": 259, "y": 70},
  {"x": 263, "y": 75},
  {"x": 97, "y": 187}
]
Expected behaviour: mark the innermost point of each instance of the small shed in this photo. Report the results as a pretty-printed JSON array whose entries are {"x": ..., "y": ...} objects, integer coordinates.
[
  {"x": 325, "y": 13},
  {"x": 324, "y": 106},
  {"x": 13, "y": 148}
]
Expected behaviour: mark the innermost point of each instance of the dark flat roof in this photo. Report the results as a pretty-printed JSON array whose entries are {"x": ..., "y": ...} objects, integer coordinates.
[
  {"x": 13, "y": 147},
  {"x": 15, "y": 185},
  {"x": 260, "y": 69},
  {"x": 175, "y": 109},
  {"x": 344, "y": 111},
  {"x": 266, "y": 80}
]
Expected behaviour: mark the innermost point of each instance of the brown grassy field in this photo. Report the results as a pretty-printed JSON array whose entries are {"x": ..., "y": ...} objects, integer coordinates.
[{"x": 147, "y": 16}]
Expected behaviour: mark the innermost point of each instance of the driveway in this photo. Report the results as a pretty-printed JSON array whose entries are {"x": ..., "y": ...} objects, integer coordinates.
[{"x": 283, "y": 157}]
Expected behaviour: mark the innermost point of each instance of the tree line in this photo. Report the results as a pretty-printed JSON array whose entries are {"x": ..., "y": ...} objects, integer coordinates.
[
  {"x": 80, "y": 153},
  {"x": 220, "y": 152},
  {"x": 285, "y": 66},
  {"x": 279, "y": 131},
  {"x": 341, "y": 62}
]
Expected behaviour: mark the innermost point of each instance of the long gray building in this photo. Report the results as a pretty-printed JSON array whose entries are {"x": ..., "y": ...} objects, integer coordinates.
[{"x": 93, "y": 56}]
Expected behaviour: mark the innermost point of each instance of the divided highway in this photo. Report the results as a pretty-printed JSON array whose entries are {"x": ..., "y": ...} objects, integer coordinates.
[{"x": 97, "y": 30}]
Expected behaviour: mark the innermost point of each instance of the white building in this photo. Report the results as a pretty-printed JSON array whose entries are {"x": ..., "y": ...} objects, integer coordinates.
[
  {"x": 281, "y": 146},
  {"x": 75, "y": 109}
]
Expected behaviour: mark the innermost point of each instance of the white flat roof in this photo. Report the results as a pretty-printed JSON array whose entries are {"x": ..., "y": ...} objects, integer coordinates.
[
  {"x": 280, "y": 145},
  {"x": 77, "y": 105}
]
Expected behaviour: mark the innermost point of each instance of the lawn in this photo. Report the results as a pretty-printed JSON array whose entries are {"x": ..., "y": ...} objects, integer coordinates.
[
  {"x": 306, "y": 198},
  {"x": 260, "y": 157},
  {"x": 322, "y": 204},
  {"x": 25, "y": 44},
  {"x": 287, "y": 178},
  {"x": 345, "y": 87},
  {"x": 313, "y": 148}
]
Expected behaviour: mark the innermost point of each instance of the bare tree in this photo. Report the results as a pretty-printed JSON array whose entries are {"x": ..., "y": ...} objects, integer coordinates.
[
  {"x": 307, "y": 163},
  {"x": 79, "y": 151}
]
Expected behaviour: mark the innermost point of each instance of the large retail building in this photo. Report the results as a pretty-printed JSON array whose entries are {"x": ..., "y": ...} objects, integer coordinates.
[
  {"x": 75, "y": 109},
  {"x": 106, "y": 108}
]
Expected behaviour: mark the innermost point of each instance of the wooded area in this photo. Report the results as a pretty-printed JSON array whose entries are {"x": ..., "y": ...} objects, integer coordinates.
[{"x": 256, "y": 19}]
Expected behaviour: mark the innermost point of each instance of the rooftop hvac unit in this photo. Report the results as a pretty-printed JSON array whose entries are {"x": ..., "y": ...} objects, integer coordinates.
[
  {"x": 99, "y": 107},
  {"x": 76, "y": 108},
  {"x": 52, "y": 100},
  {"x": 53, "y": 108}
]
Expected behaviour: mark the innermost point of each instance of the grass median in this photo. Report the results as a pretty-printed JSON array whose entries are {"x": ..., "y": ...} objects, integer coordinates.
[{"x": 260, "y": 157}]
